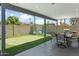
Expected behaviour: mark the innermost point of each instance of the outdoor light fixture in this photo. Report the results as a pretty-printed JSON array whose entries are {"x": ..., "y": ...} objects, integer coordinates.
[{"x": 53, "y": 3}]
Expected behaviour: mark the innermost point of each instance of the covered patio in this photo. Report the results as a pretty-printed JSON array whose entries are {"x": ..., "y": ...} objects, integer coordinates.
[{"x": 50, "y": 29}]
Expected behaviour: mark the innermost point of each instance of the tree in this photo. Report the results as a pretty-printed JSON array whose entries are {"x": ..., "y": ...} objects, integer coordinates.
[
  {"x": 13, "y": 20},
  {"x": 72, "y": 21},
  {"x": 49, "y": 23},
  {"x": 31, "y": 26}
]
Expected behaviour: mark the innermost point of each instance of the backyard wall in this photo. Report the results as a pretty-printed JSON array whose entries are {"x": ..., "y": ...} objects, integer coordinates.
[
  {"x": 51, "y": 28},
  {"x": 0, "y": 29},
  {"x": 24, "y": 29},
  {"x": 18, "y": 30},
  {"x": 60, "y": 28}
]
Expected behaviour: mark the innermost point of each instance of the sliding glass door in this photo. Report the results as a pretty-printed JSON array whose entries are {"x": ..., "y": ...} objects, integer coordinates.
[
  {"x": 22, "y": 29},
  {"x": 50, "y": 27}
]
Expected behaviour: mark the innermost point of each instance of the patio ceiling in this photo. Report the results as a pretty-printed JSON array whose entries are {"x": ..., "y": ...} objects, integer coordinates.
[{"x": 54, "y": 10}]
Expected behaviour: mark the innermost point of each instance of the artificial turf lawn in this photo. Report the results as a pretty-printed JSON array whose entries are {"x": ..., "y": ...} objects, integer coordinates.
[
  {"x": 10, "y": 42},
  {"x": 18, "y": 44}
]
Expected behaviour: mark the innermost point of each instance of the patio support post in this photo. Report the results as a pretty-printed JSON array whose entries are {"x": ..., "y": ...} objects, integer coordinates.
[
  {"x": 34, "y": 24},
  {"x": 64, "y": 21},
  {"x": 45, "y": 28},
  {"x": 56, "y": 26},
  {"x": 3, "y": 28}
]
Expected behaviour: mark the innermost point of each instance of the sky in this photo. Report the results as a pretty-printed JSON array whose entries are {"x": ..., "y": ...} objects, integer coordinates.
[
  {"x": 67, "y": 21},
  {"x": 24, "y": 18}
]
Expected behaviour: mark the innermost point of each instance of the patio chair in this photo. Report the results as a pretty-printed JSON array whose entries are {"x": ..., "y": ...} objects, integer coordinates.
[
  {"x": 78, "y": 41},
  {"x": 68, "y": 35},
  {"x": 61, "y": 41},
  {"x": 75, "y": 38}
]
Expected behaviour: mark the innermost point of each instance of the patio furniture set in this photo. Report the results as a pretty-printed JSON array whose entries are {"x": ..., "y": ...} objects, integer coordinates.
[{"x": 66, "y": 39}]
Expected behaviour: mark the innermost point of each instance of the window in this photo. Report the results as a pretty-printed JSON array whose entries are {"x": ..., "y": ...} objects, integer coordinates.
[
  {"x": 22, "y": 28},
  {"x": 67, "y": 21},
  {"x": 60, "y": 21},
  {"x": 50, "y": 26},
  {"x": 39, "y": 24}
]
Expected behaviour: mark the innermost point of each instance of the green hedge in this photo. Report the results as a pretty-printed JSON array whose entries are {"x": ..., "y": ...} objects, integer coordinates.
[{"x": 17, "y": 49}]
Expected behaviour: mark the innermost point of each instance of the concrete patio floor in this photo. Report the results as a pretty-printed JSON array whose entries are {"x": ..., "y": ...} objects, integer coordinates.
[{"x": 50, "y": 49}]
